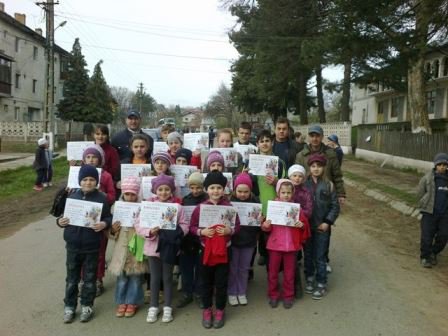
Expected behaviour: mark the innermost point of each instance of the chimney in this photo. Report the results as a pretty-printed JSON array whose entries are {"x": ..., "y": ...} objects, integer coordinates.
[
  {"x": 2, "y": 7},
  {"x": 39, "y": 31},
  {"x": 21, "y": 18}
]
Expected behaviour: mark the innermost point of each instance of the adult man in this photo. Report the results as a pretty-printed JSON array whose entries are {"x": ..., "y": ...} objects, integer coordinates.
[
  {"x": 284, "y": 147},
  {"x": 244, "y": 132},
  {"x": 121, "y": 140}
]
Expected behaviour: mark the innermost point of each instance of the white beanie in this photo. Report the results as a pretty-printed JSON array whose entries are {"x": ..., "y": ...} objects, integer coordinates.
[
  {"x": 42, "y": 141},
  {"x": 296, "y": 169}
]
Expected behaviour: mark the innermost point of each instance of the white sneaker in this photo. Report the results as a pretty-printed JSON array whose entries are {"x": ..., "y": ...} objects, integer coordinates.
[
  {"x": 45, "y": 184},
  {"x": 329, "y": 269},
  {"x": 153, "y": 312},
  {"x": 233, "y": 300},
  {"x": 50, "y": 184},
  {"x": 167, "y": 314},
  {"x": 242, "y": 299}
]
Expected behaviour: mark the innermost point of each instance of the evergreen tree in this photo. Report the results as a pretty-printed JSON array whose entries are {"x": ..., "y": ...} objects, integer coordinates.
[
  {"x": 99, "y": 98},
  {"x": 73, "y": 105}
]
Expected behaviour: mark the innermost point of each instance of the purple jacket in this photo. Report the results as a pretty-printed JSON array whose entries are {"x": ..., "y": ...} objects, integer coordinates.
[{"x": 305, "y": 199}]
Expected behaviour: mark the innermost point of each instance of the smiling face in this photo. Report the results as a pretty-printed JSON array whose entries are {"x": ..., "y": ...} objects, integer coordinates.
[
  {"x": 265, "y": 145},
  {"x": 88, "y": 184},
  {"x": 139, "y": 148},
  {"x": 100, "y": 137},
  {"x": 215, "y": 192},
  {"x": 133, "y": 123},
  {"x": 164, "y": 193}
]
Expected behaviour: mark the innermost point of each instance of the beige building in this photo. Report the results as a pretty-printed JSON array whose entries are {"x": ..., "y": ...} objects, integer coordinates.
[{"x": 23, "y": 65}]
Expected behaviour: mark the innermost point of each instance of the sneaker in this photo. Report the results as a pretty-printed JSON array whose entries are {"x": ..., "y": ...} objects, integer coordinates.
[
  {"x": 233, "y": 300},
  {"x": 153, "y": 312},
  {"x": 121, "y": 310},
  {"x": 261, "y": 261},
  {"x": 69, "y": 315},
  {"x": 99, "y": 288},
  {"x": 433, "y": 259},
  {"x": 167, "y": 314},
  {"x": 273, "y": 303},
  {"x": 38, "y": 188},
  {"x": 319, "y": 292},
  {"x": 219, "y": 319},
  {"x": 50, "y": 184},
  {"x": 309, "y": 286},
  {"x": 426, "y": 262},
  {"x": 329, "y": 269},
  {"x": 242, "y": 299},
  {"x": 185, "y": 301},
  {"x": 287, "y": 304},
  {"x": 86, "y": 314},
  {"x": 207, "y": 318},
  {"x": 131, "y": 310},
  {"x": 45, "y": 185}
]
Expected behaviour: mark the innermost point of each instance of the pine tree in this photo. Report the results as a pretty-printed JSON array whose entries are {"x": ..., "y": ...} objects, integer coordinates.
[
  {"x": 99, "y": 98},
  {"x": 73, "y": 105}
]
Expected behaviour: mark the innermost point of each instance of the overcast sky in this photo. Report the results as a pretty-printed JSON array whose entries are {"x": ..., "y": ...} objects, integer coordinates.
[{"x": 178, "y": 49}]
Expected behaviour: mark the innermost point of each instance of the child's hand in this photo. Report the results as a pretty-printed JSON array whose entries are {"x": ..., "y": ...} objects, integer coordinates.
[
  {"x": 118, "y": 185},
  {"x": 270, "y": 179},
  {"x": 63, "y": 221},
  {"x": 323, "y": 227},
  {"x": 208, "y": 232},
  {"x": 223, "y": 230},
  {"x": 97, "y": 227},
  {"x": 72, "y": 162},
  {"x": 267, "y": 224},
  {"x": 115, "y": 227},
  {"x": 154, "y": 231},
  {"x": 298, "y": 224}
]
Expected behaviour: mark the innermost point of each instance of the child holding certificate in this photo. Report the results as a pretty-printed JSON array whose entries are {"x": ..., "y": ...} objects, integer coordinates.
[
  {"x": 161, "y": 261},
  {"x": 175, "y": 143},
  {"x": 243, "y": 244},
  {"x": 325, "y": 211},
  {"x": 282, "y": 245},
  {"x": 82, "y": 245},
  {"x": 160, "y": 164},
  {"x": 215, "y": 237},
  {"x": 128, "y": 266}
]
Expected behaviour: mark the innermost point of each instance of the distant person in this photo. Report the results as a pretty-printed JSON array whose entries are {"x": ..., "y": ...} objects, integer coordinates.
[
  {"x": 122, "y": 139},
  {"x": 211, "y": 137},
  {"x": 244, "y": 133},
  {"x": 87, "y": 131},
  {"x": 333, "y": 142},
  {"x": 165, "y": 130},
  {"x": 300, "y": 140},
  {"x": 42, "y": 165},
  {"x": 284, "y": 147},
  {"x": 433, "y": 204}
]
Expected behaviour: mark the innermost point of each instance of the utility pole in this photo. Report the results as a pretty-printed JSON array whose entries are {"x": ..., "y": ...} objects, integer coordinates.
[{"x": 140, "y": 97}]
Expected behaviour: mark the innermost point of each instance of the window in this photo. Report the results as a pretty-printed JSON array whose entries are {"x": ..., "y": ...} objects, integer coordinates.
[
  {"x": 445, "y": 67},
  {"x": 431, "y": 101},
  {"x": 17, "y": 81},
  {"x": 395, "y": 107},
  {"x": 35, "y": 53},
  {"x": 34, "y": 85},
  {"x": 17, "y": 44},
  {"x": 16, "y": 113},
  {"x": 435, "y": 69}
]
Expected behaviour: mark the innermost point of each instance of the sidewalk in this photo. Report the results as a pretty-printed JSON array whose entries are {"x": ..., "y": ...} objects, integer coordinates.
[{"x": 16, "y": 160}]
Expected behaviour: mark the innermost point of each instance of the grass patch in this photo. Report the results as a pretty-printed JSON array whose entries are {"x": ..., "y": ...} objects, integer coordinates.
[
  {"x": 14, "y": 147},
  {"x": 20, "y": 181},
  {"x": 407, "y": 170}
]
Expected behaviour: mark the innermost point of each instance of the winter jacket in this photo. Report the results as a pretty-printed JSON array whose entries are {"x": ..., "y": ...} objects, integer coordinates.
[
  {"x": 293, "y": 149},
  {"x": 332, "y": 169},
  {"x": 84, "y": 239},
  {"x": 121, "y": 141},
  {"x": 190, "y": 244},
  {"x": 325, "y": 202},
  {"x": 111, "y": 160},
  {"x": 304, "y": 198},
  {"x": 41, "y": 159},
  {"x": 426, "y": 192},
  {"x": 152, "y": 241},
  {"x": 248, "y": 235},
  {"x": 107, "y": 186}
]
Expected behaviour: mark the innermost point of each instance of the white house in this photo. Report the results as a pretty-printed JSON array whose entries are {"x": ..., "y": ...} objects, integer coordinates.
[
  {"x": 377, "y": 103},
  {"x": 23, "y": 66}
]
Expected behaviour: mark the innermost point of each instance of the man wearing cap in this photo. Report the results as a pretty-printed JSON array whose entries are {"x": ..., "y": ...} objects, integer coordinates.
[
  {"x": 284, "y": 147},
  {"x": 121, "y": 140}
]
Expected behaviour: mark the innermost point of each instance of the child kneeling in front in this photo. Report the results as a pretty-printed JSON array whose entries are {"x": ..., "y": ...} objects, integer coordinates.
[
  {"x": 82, "y": 245},
  {"x": 215, "y": 239}
]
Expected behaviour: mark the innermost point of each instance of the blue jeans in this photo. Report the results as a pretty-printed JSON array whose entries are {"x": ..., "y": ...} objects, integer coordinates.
[
  {"x": 129, "y": 289},
  {"x": 315, "y": 256},
  {"x": 189, "y": 265}
]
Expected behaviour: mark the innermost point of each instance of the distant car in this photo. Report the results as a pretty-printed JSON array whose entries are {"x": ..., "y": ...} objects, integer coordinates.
[
  {"x": 153, "y": 133},
  {"x": 167, "y": 121}
]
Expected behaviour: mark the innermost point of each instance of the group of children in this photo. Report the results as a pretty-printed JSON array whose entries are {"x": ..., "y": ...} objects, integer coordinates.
[{"x": 215, "y": 260}]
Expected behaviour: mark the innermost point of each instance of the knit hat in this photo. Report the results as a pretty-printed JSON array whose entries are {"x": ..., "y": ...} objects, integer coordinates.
[
  {"x": 215, "y": 177},
  {"x": 42, "y": 141},
  {"x": 243, "y": 178},
  {"x": 281, "y": 182},
  {"x": 334, "y": 138},
  {"x": 160, "y": 180},
  {"x": 175, "y": 136},
  {"x": 164, "y": 156},
  {"x": 184, "y": 153},
  {"x": 95, "y": 150},
  {"x": 88, "y": 171},
  {"x": 130, "y": 184},
  {"x": 317, "y": 157},
  {"x": 440, "y": 158},
  {"x": 296, "y": 169},
  {"x": 196, "y": 178},
  {"x": 214, "y": 156}
]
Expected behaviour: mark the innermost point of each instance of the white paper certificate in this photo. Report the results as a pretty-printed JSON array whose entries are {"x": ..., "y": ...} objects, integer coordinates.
[
  {"x": 160, "y": 146},
  {"x": 146, "y": 187},
  {"x": 137, "y": 170},
  {"x": 82, "y": 213},
  {"x": 159, "y": 214},
  {"x": 76, "y": 148},
  {"x": 188, "y": 210},
  {"x": 245, "y": 151},
  {"x": 229, "y": 187},
  {"x": 210, "y": 215},
  {"x": 126, "y": 213},
  {"x": 248, "y": 213},
  {"x": 73, "y": 174},
  {"x": 195, "y": 141},
  {"x": 263, "y": 165},
  {"x": 283, "y": 213},
  {"x": 230, "y": 156},
  {"x": 182, "y": 173}
]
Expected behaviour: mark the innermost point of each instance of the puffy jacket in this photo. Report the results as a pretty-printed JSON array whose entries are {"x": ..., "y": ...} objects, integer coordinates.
[
  {"x": 426, "y": 192},
  {"x": 248, "y": 235}
]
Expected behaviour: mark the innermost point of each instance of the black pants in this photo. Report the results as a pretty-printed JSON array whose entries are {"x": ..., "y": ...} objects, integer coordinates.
[
  {"x": 262, "y": 240},
  {"x": 434, "y": 234},
  {"x": 88, "y": 262},
  {"x": 214, "y": 280}
]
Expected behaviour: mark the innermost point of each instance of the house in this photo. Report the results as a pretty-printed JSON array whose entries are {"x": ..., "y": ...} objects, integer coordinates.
[
  {"x": 23, "y": 65},
  {"x": 191, "y": 119},
  {"x": 378, "y": 103}
]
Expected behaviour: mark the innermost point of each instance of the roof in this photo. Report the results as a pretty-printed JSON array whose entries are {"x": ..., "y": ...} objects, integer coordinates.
[{"x": 30, "y": 32}]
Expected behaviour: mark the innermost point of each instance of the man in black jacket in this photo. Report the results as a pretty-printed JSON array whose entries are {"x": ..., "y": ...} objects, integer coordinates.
[{"x": 284, "y": 147}]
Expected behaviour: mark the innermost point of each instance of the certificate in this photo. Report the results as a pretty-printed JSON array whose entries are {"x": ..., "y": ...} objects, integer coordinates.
[
  {"x": 188, "y": 210},
  {"x": 248, "y": 213},
  {"x": 263, "y": 165},
  {"x": 210, "y": 215},
  {"x": 230, "y": 156},
  {"x": 182, "y": 173},
  {"x": 146, "y": 187},
  {"x": 195, "y": 141},
  {"x": 126, "y": 213},
  {"x": 283, "y": 213},
  {"x": 76, "y": 148},
  {"x": 229, "y": 187},
  {"x": 159, "y": 214},
  {"x": 73, "y": 174},
  {"x": 245, "y": 151},
  {"x": 82, "y": 213},
  {"x": 160, "y": 146},
  {"x": 137, "y": 170}
]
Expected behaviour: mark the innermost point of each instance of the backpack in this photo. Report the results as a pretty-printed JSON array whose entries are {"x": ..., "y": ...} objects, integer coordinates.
[{"x": 58, "y": 206}]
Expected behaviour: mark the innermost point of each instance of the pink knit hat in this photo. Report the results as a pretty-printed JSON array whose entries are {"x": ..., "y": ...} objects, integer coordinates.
[
  {"x": 95, "y": 150},
  {"x": 164, "y": 156},
  {"x": 243, "y": 178},
  {"x": 160, "y": 180},
  {"x": 283, "y": 181},
  {"x": 214, "y": 156},
  {"x": 130, "y": 184}
]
